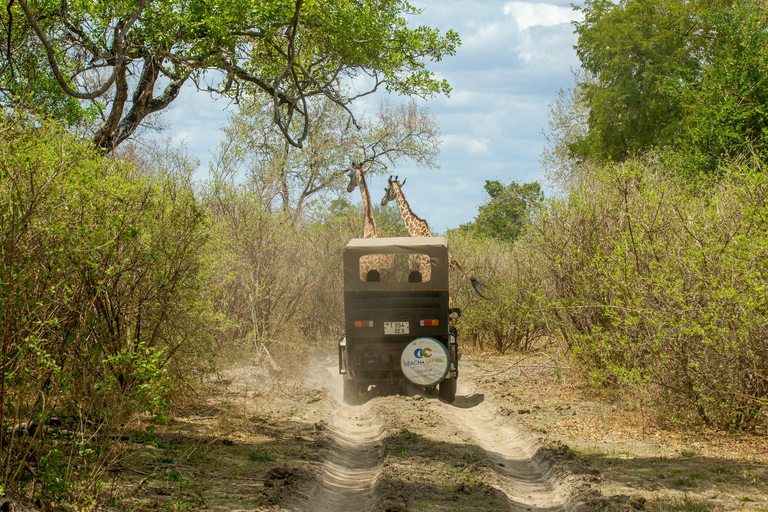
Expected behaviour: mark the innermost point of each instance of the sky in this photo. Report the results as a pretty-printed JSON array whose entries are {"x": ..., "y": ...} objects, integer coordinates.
[{"x": 514, "y": 58}]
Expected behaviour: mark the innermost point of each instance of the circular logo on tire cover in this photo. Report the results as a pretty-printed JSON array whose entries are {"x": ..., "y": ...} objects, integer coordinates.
[{"x": 424, "y": 361}]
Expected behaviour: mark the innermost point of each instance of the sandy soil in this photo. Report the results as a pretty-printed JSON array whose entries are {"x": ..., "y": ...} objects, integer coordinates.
[
  {"x": 644, "y": 461},
  {"x": 283, "y": 441},
  {"x": 419, "y": 453}
]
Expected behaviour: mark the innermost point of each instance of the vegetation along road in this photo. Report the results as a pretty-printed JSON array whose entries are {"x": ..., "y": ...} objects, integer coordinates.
[{"x": 169, "y": 343}]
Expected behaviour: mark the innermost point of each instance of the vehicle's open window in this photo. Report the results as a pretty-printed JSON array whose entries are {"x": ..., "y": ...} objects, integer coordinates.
[{"x": 399, "y": 268}]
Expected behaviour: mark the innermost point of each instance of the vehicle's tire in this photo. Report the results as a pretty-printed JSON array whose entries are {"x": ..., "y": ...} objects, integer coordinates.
[
  {"x": 351, "y": 392},
  {"x": 448, "y": 390}
]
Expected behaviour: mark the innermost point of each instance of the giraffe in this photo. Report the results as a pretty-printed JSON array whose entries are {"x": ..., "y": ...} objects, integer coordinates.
[
  {"x": 417, "y": 226},
  {"x": 383, "y": 264}
]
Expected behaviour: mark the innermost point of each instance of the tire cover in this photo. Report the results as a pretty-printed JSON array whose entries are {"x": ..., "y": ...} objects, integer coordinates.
[{"x": 424, "y": 361}]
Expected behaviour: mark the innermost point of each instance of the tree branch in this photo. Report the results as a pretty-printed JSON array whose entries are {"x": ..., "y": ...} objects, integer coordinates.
[
  {"x": 144, "y": 103},
  {"x": 289, "y": 71},
  {"x": 112, "y": 121},
  {"x": 10, "y": 26},
  {"x": 55, "y": 67}
]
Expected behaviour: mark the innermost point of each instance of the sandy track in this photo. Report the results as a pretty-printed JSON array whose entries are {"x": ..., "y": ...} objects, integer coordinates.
[
  {"x": 352, "y": 463},
  {"x": 353, "y": 455},
  {"x": 348, "y": 476},
  {"x": 528, "y": 479}
]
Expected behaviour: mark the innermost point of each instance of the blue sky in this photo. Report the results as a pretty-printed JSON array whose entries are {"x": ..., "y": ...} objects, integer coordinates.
[{"x": 514, "y": 58}]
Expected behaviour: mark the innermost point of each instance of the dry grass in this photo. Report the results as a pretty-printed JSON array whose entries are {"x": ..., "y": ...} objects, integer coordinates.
[{"x": 670, "y": 466}]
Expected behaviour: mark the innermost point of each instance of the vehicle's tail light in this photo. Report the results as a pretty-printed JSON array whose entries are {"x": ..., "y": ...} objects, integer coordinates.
[
  {"x": 429, "y": 323},
  {"x": 363, "y": 323}
]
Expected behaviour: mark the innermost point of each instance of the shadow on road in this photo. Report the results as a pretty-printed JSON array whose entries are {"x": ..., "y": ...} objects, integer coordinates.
[{"x": 469, "y": 401}]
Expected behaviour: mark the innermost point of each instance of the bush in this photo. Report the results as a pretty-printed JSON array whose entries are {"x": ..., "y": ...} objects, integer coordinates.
[
  {"x": 657, "y": 285},
  {"x": 98, "y": 267},
  {"x": 274, "y": 279},
  {"x": 512, "y": 316}
]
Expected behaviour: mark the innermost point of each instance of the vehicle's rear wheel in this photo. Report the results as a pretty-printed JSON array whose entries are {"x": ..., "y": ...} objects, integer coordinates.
[
  {"x": 351, "y": 392},
  {"x": 447, "y": 390}
]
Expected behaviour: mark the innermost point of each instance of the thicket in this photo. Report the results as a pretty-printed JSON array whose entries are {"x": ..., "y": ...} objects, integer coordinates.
[
  {"x": 120, "y": 281},
  {"x": 511, "y": 317},
  {"x": 658, "y": 287},
  {"x": 652, "y": 261},
  {"x": 98, "y": 267},
  {"x": 122, "y": 284},
  {"x": 655, "y": 287}
]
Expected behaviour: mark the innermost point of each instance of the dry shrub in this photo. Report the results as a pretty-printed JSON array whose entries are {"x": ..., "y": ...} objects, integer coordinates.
[
  {"x": 510, "y": 318},
  {"x": 321, "y": 315},
  {"x": 274, "y": 279},
  {"x": 98, "y": 263},
  {"x": 256, "y": 276},
  {"x": 662, "y": 287}
]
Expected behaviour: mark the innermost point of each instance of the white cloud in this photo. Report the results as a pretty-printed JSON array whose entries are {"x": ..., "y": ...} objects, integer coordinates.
[
  {"x": 478, "y": 147},
  {"x": 485, "y": 36},
  {"x": 528, "y": 14},
  {"x": 463, "y": 143},
  {"x": 461, "y": 98},
  {"x": 547, "y": 44}
]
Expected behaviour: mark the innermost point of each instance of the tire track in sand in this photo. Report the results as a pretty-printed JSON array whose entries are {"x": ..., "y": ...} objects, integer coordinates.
[
  {"x": 530, "y": 481},
  {"x": 353, "y": 460}
]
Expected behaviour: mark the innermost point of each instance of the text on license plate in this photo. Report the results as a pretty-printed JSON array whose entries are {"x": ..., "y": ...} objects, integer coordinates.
[{"x": 396, "y": 328}]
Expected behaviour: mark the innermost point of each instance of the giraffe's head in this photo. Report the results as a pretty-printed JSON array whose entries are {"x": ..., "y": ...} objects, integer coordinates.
[
  {"x": 355, "y": 170},
  {"x": 390, "y": 193}
]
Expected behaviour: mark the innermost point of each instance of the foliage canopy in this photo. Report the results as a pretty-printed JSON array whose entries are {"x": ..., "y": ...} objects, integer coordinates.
[
  {"x": 117, "y": 62},
  {"x": 506, "y": 213},
  {"x": 686, "y": 77}
]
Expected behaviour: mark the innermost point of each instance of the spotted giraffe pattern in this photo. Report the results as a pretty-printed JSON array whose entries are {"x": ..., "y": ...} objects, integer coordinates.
[
  {"x": 416, "y": 226},
  {"x": 384, "y": 264}
]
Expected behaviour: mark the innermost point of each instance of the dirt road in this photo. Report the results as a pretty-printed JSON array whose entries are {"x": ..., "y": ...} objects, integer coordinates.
[
  {"x": 283, "y": 441},
  {"x": 417, "y": 452},
  {"x": 352, "y": 462}
]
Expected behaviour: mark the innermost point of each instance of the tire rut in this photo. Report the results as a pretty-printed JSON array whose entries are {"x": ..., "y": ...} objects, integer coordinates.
[
  {"x": 528, "y": 480},
  {"x": 352, "y": 461},
  {"x": 350, "y": 475}
]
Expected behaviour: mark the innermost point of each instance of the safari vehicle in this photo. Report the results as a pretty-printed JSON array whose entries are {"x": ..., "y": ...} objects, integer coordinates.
[{"x": 398, "y": 325}]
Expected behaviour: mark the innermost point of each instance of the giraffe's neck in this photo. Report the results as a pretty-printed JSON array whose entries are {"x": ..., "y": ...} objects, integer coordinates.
[
  {"x": 370, "y": 230},
  {"x": 415, "y": 225}
]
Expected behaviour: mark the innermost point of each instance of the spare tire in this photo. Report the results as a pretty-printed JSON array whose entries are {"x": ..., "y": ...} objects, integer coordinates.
[{"x": 424, "y": 362}]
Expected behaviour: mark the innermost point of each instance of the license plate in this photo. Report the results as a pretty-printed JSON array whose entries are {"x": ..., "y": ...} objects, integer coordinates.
[{"x": 396, "y": 328}]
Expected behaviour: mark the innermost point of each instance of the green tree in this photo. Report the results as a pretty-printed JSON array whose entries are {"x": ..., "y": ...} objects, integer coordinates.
[
  {"x": 128, "y": 59},
  {"x": 726, "y": 106},
  {"x": 687, "y": 78},
  {"x": 506, "y": 213},
  {"x": 640, "y": 53}
]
